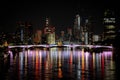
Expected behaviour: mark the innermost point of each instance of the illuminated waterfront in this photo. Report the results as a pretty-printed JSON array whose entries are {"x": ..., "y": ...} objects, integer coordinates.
[{"x": 60, "y": 64}]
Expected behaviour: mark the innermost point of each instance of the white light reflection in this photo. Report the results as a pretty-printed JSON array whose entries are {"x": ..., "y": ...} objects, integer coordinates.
[
  {"x": 87, "y": 60},
  {"x": 21, "y": 65},
  {"x": 11, "y": 57},
  {"x": 79, "y": 66},
  {"x": 21, "y": 61},
  {"x": 97, "y": 60},
  {"x": 40, "y": 56}
]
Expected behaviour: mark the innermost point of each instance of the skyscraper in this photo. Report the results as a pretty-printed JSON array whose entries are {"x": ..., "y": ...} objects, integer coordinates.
[
  {"x": 28, "y": 32},
  {"x": 86, "y": 31},
  {"x": 19, "y": 33},
  {"x": 24, "y": 32},
  {"x": 109, "y": 27},
  {"x": 89, "y": 29},
  {"x": 49, "y": 32},
  {"x": 38, "y": 37},
  {"x": 77, "y": 28}
]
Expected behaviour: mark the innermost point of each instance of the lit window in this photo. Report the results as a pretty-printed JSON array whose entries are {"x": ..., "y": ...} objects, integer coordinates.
[
  {"x": 110, "y": 27},
  {"x": 109, "y": 20},
  {"x": 110, "y": 32}
]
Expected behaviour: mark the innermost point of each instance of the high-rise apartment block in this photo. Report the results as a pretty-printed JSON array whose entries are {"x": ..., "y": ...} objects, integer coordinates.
[{"x": 109, "y": 27}]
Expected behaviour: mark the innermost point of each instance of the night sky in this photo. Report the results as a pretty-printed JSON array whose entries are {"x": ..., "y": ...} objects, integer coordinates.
[{"x": 61, "y": 13}]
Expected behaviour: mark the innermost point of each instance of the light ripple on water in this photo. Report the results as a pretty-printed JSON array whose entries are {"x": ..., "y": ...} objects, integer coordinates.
[{"x": 58, "y": 64}]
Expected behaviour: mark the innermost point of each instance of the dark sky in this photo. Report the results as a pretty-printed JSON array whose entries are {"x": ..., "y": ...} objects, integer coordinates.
[{"x": 61, "y": 13}]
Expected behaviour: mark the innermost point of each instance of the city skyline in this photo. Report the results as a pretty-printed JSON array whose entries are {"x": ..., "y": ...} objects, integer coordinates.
[{"x": 61, "y": 13}]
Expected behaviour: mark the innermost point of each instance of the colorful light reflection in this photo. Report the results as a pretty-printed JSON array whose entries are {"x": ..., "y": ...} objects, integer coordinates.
[{"x": 60, "y": 63}]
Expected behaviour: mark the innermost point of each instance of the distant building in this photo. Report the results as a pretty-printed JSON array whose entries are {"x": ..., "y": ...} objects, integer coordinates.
[
  {"x": 96, "y": 38},
  {"x": 49, "y": 32},
  {"x": 19, "y": 33},
  {"x": 62, "y": 36},
  {"x": 86, "y": 32},
  {"x": 38, "y": 37},
  {"x": 69, "y": 34},
  {"x": 109, "y": 27},
  {"x": 77, "y": 29},
  {"x": 24, "y": 32},
  {"x": 89, "y": 27},
  {"x": 84, "y": 35},
  {"x": 28, "y": 33}
]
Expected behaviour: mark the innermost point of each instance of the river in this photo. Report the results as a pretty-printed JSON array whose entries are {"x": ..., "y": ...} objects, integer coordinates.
[{"x": 59, "y": 64}]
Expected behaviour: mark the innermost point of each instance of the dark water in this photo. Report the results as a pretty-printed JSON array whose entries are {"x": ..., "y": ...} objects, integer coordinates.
[{"x": 59, "y": 64}]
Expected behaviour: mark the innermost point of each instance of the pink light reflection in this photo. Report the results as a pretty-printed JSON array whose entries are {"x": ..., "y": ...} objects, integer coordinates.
[{"x": 107, "y": 53}]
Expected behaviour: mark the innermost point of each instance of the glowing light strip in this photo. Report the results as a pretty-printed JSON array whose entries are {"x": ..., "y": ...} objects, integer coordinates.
[{"x": 73, "y": 45}]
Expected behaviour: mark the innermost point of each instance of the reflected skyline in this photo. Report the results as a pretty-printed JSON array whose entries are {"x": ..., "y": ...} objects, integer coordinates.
[{"x": 58, "y": 63}]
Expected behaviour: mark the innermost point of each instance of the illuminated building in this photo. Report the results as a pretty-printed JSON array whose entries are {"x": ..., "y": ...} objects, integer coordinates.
[
  {"x": 19, "y": 34},
  {"x": 62, "y": 36},
  {"x": 77, "y": 28},
  {"x": 38, "y": 37},
  {"x": 24, "y": 33},
  {"x": 49, "y": 32},
  {"x": 68, "y": 37},
  {"x": 83, "y": 30},
  {"x": 86, "y": 32},
  {"x": 96, "y": 39},
  {"x": 84, "y": 35},
  {"x": 109, "y": 27},
  {"x": 89, "y": 27},
  {"x": 28, "y": 33}
]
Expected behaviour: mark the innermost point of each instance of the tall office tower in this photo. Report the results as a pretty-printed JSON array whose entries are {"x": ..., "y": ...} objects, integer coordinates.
[
  {"x": 86, "y": 37},
  {"x": 49, "y": 32},
  {"x": 89, "y": 30},
  {"x": 62, "y": 36},
  {"x": 19, "y": 33},
  {"x": 69, "y": 36},
  {"x": 77, "y": 28},
  {"x": 24, "y": 32},
  {"x": 28, "y": 33},
  {"x": 86, "y": 32},
  {"x": 47, "y": 22},
  {"x": 47, "y": 28},
  {"x": 38, "y": 37},
  {"x": 109, "y": 27},
  {"x": 82, "y": 35}
]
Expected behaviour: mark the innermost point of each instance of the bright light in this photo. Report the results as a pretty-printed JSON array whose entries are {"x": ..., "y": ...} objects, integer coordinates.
[{"x": 53, "y": 45}]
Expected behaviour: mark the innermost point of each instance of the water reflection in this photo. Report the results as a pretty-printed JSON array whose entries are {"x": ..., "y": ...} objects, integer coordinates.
[{"x": 59, "y": 63}]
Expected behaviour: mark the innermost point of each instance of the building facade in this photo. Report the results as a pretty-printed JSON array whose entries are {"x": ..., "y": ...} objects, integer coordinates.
[
  {"x": 109, "y": 27},
  {"x": 24, "y": 33},
  {"x": 77, "y": 29},
  {"x": 49, "y": 32}
]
